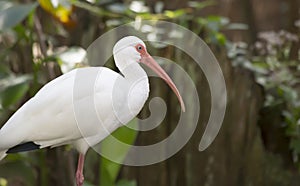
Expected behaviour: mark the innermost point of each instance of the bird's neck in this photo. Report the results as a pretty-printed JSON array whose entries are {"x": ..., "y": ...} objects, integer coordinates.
[
  {"x": 136, "y": 77},
  {"x": 138, "y": 86},
  {"x": 134, "y": 72}
]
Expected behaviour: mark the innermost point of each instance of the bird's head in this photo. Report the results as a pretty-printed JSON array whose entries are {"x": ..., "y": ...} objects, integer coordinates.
[
  {"x": 129, "y": 49},
  {"x": 132, "y": 49}
]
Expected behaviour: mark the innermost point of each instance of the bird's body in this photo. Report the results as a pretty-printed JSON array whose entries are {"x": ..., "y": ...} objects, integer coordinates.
[
  {"x": 59, "y": 119},
  {"x": 49, "y": 118}
]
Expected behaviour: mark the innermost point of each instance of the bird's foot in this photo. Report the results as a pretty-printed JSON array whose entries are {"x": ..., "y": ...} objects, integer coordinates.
[{"x": 79, "y": 178}]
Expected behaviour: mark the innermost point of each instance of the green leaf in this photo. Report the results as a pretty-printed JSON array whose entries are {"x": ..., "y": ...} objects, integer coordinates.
[
  {"x": 13, "y": 15},
  {"x": 221, "y": 38},
  {"x": 105, "y": 177},
  {"x": 201, "y": 5},
  {"x": 175, "y": 13},
  {"x": 126, "y": 183},
  {"x": 13, "y": 94},
  {"x": 113, "y": 147}
]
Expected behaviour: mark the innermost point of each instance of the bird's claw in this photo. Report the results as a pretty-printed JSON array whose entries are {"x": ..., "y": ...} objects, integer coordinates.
[{"x": 79, "y": 178}]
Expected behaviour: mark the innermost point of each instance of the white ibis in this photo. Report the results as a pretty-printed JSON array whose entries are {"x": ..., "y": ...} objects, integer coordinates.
[{"x": 47, "y": 119}]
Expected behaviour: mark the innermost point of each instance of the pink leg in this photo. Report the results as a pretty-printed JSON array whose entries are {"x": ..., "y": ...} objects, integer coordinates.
[{"x": 79, "y": 172}]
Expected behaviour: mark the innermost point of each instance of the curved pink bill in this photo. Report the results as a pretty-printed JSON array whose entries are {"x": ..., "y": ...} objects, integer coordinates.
[{"x": 151, "y": 63}]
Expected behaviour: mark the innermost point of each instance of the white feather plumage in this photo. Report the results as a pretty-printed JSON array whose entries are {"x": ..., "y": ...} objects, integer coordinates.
[{"x": 48, "y": 119}]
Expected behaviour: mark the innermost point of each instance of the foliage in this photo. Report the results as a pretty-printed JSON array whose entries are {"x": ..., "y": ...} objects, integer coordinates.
[
  {"x": 13, "y": 14},
  {"x": 109, "y": 170},
  {"x": 276, "y": 68}
]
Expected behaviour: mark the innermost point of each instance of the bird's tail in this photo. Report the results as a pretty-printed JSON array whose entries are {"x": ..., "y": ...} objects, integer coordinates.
[{"x": 2, "y": 154}]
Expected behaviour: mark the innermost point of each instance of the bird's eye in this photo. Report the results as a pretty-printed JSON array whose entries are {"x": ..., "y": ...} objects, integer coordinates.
[{"x": 139, "y": 47}]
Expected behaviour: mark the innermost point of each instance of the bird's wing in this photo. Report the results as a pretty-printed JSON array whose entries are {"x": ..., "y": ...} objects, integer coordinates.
[{"x": 48, "y": 118}]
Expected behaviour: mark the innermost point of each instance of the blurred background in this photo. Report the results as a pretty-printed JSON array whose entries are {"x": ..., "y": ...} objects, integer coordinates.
[{"x": 256, "y": 43}]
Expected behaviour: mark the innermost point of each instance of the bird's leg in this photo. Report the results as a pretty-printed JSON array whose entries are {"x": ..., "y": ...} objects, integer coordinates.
[{"x": 79, "y": 172}]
